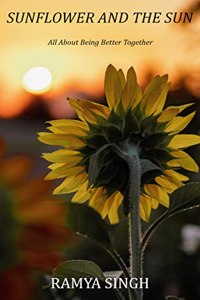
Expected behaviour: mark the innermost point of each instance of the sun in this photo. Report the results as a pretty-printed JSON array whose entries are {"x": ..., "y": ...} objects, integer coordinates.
[{"x": 37, "y": 80}]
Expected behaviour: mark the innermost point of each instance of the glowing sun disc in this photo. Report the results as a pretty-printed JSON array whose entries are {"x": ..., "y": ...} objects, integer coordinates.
[{"x": 37, "y": 80}]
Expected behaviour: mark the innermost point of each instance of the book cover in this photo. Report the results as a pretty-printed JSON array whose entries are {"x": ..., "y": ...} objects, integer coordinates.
[{"x": 99, "y": 150}]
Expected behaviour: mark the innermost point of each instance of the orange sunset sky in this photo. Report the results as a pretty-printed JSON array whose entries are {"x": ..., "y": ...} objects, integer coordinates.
[{"x": 24, "y": 46}]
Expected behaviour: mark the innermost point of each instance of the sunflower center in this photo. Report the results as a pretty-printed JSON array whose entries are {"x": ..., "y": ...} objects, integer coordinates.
[{"x": 132, "y": 132}]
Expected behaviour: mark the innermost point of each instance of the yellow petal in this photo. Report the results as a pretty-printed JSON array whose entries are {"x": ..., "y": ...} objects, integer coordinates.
[
  {"x": 103, "y": 209},
  {"x": 98, "y": 194},
  {"x": 113, "y": 87},
  {"x": 179, "y": 123},
  {"x": 113, "y": 211},
  {"x": 109, "y": 201},
  {"x": 174, "y": 163},
  {"x": 146, "y": 205},
  {"x": 83, "y": 194},
  {"x": 184, "y": 141},
  {"x": 54, "y": 129},
  {"x": 98, "y": 201},
  {"x": 175, "y": 174},
  {"x": 63, "y": 156},
  {"x": 67, "y": 140},
  {"x": 55, "y": 166},
  {"x": 142, "y": 213},
  {"x": 157, "y": 192},
  {"x": 158, "y": 106},
  {"x": 169, "y": 181},
  {"x": 88, "y": 110},
  {"x": 155, "y": 95},
  {"x": 106, "y": 206},
  {"x": 183, "y": 160},
  {"x": 71, "y": 184},
  {"x": 166, "y": 183},
  {"x": 122, "y": 77},
  {"x": 74, "y": 127},
  {"x": 64, "y": 171},
  {"x": 171, "y": 112},
  {"x": 186, "y": 163},
  {"x": 175, "y": 181},
  {"x": 154, "y": 203},
  {"x": 132, "y": 93},
  {"x": 179, "y": 154},
  {"x": 114, "y": 200}
]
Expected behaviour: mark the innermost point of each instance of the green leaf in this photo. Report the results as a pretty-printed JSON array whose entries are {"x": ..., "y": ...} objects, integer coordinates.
[
  {"x": 78, "y": 269},
  {"x": 87, "y": 222},
  {"x": 184, "y": 197}
]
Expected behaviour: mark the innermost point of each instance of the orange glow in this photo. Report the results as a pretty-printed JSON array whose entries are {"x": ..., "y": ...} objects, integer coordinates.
[
  {"x": 12, "y": 107},
  {"x": 26, "y": 45}
]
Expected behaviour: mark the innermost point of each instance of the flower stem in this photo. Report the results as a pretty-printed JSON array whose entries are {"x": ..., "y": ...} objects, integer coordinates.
[
  {"x": 132, "y": 294},
  {"x": 134, "y": 220},
  {"x": 132, "y": 159}
]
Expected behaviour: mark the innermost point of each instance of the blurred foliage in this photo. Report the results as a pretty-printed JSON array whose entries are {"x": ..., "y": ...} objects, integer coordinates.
[{"x": 33, "y": 234}]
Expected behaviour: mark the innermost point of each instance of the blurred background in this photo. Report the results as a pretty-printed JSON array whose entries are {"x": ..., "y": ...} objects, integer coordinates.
[{"x": 36, "y": 79}]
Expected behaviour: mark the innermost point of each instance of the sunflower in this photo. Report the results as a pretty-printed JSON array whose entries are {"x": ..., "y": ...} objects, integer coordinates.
[
  {"x": 133, "y": 119},
  {"x": 33, "y": 236}
]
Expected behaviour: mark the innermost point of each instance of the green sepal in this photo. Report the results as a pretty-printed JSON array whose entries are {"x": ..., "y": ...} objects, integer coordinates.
[
  {"x": 105, "y": 174},
  {"x": 131, "y": 125},
  {"x": 118, "y": 182},
  {"x": 154, "y": 140},
  {"x": 120, "y": 110},
  {"x": 146, "y": 166},
  {"x": 149, "y": 171},
  {"x": 112, "y": 133},
  {"x": 115, "y": 119},
  {"x": 98, "y": 162},
  {"x": 100, "y": 120},
  {"x": 148, "y": 126},
  {"x": 107, "y": 169},
  {"x": 158, "y": 156},
  {"x": 93, "y": 127},
  {"x": 96, "y": 141}
]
